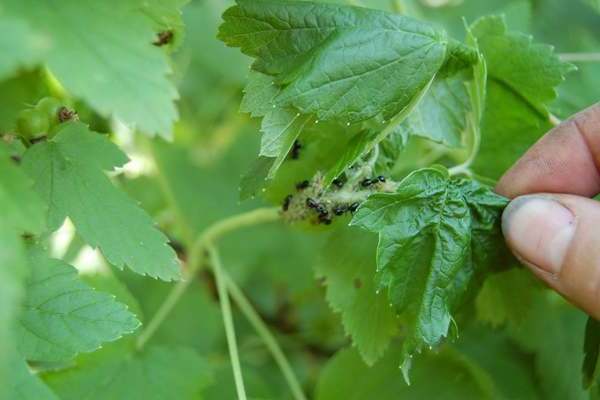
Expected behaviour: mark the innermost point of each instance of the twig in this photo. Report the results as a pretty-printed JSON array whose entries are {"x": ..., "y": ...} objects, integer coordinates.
[
  {"x": 215, "y": 262},
  {"x": 263, "y": 331},
  {"x": 196, "y": 260}
]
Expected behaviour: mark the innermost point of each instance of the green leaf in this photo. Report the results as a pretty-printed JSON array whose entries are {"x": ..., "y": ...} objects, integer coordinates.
[
  {"x": 13, "y": 269},
  {"x": 259, "y": 95},
  {"x": 506, "y": 298},
  {"x": 256, "y": 178},
  {"x": 521, "y": 82},
  {"x": 68, "y": 173},
  {"x": 554, "y": 333},
  {"x": 441, "y": 115},
  {"x": 159, "y": 373},
  {"x": 511, "y": 369},
  {"x": 591, "y": 352},
  {"x": 24, "y": 385},
  {"x": 436, "y": 234},
  {"x": 344, "y": 63},
  {"x": 443, "y": 376},
  {"x": 21, "y": 210},
  {"x": 166, "y": 16},
  {"x": 19, "y": 46},
  {"x": 20, "y": 207},
  {"x": 103, "y": 53},
  {"x": 348, "y": 266},
  {"x": 62, "y": 316}
]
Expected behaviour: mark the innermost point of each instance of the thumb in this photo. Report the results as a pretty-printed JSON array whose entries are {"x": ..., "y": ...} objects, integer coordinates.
[{"x": 558, "y": 237}]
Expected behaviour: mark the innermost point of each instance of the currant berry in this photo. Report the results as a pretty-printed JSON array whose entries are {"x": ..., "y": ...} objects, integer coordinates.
[
  {"x": 50, "y": 107},
  {"x": 32, "y": 124}
]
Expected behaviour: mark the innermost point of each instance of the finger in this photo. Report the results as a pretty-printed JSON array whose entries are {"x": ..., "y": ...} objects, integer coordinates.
[
  {"x": 566, "y": 160},
  {"x": 557, "y": 237}
]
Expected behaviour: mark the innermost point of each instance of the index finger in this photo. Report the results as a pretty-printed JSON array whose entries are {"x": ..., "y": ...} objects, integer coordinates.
[{"x": 565, "y": 160}]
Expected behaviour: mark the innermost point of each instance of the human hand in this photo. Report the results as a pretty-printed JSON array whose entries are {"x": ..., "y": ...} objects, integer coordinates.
[{"x": 552, "y": 225}]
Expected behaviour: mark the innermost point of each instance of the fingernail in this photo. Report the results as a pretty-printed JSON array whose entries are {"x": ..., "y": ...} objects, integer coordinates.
[{"x": 539, "y": 230}]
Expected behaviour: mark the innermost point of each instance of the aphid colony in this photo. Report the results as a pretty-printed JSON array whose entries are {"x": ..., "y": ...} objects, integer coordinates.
[{"x": 320, "y": 205}]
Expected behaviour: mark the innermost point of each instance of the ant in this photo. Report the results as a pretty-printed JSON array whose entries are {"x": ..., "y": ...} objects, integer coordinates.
[
  {"x": 286, "y": 202},
  {"x": 295, "y": 152},
  {"x": 302, "y": 185}
]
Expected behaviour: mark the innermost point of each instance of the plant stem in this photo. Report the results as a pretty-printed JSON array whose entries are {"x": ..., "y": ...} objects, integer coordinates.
[
  {"x": 196, "y": 260},
  {"x": 215, "y": 262},
  {"x": 263, "y": 331}
]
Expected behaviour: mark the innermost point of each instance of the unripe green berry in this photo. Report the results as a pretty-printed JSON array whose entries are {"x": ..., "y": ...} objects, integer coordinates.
[
  {"x": 50, "y": 107},
  {"x": 32, "y": 124}
]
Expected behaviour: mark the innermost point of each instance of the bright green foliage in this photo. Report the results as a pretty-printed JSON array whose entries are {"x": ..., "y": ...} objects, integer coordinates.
[
  {"x": 346, "y": 377},
  {"x": 591, "y": 350},
  {"x": 442, "y": 113},
  {"x": 518, "y": 93},
  {"x": 318, "y": 58},
  {"x": 506, "y": 298},
  {"x": 62, "y": 316},
  {"x": 436, "y": 234},
  {"x": 20, "y": 207},
  {"x": 166, "y": 17},
  {"x": 23, "y": 385},
  {"x": 366, "y": 315},
  {"x": 554, "y": 332},
  {"x": 370, "y": 95},
  {"x": 101, "y": 52},
  {"x": 68, "y": 174},
  {"x": 21, "y": 210},
  {"x": 19, "y": 46},
  {"x": 160, "y": 373}
]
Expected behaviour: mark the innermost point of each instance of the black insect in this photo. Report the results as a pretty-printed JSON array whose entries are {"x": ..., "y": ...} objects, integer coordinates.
[
  {"x": 286, "y": 202},
  {"x": 163, "y": 38},
  {"x": 340, "y": 210},
  {"x": 324, "y": 219},
  {"x": 367, "y": 182},
  {"x": 295, "y": 151},
  {"x": 311, "y": 203},
  {"x": 302, "y": 185},
  {"x": 381, "y": 178},
  {"x": 321, "y": 209},
  {"x": 338, "y": 182},
  {"x": 353, "y": 207}
]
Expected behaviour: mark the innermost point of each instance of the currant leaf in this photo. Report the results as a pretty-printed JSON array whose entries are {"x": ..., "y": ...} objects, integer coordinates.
[
  {"x": 454, "y": 376},
  {"x": 103, "y": 53},
  {"x": 68, "y": 174},
  {"x": 19, "y": 45},
  {"x": 23, "y": 385},
  {"x": 159, "y": 373},
  {"x": 62, "y": 316},
  {"x": 366, "y": 315},
  {"x": 343, "y": 63},
  {"x": 436, "y": 235},
  {"x": 521, "y": 81}
]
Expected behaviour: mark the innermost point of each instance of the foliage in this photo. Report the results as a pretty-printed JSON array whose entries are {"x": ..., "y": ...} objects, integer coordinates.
[{"x": 130, "y": 130}]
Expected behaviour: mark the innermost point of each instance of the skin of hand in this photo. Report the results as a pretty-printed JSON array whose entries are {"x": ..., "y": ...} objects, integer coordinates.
[{"x": 552, "y": 225}]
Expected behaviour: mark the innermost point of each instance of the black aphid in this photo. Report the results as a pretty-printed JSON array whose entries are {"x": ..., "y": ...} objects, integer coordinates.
[
  {"x": 295, "y": 151},
  {"x": 340, "y": 210},
  {"x": 302, "y": 185},
  {"x": 311, "y": 203},
  {"x": 286, "y": 202}
]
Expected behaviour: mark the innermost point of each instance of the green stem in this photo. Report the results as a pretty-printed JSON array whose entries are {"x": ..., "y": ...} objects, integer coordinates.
[
  {"x": 196, "y": 260},
  {"x": 263, "y": 331},
  {"x": 215, "y": 262}
]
